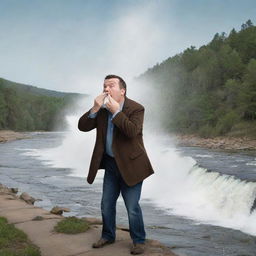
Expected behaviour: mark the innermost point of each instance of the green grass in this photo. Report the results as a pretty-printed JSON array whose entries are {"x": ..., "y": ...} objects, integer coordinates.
[
  {"x": 14, "y": 242},
  {"x": 72, "y": 225}
]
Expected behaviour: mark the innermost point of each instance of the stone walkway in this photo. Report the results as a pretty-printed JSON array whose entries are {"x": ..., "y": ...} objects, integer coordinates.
[{"x": 41, "y": 233}]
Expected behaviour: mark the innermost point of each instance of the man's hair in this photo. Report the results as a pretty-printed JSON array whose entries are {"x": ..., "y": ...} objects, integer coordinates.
[{"x": 122, "y": 83}]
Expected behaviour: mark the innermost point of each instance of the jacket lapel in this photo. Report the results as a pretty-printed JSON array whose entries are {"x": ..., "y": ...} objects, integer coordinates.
[
  {"x": 126, "y": 105},
  {"x": 124, "y": 110}
]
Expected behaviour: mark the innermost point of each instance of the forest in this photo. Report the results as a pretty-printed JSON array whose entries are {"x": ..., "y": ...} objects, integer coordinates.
[
  {"x": 28, "y": 108},
  {"x": 210, "y": 91}
]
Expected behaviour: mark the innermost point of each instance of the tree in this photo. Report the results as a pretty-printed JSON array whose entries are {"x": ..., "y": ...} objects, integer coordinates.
[
  {"x": 247, "y": 24},
  {"x": 249, "y": 91},
  {"x": 230, "y": 63},
  {"x": 3, "y": 109}
]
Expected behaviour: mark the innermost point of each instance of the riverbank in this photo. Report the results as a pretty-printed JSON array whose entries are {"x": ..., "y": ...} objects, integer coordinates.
[
  {"x": 189, "y": 140},
  {"x": 8, "y": 135},
  {"x": 221, "y": 142},
  {"x": 39, "y": 224}
]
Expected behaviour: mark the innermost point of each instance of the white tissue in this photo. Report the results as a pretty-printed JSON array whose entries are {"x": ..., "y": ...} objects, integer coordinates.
[{"x": 105, "y": 101}]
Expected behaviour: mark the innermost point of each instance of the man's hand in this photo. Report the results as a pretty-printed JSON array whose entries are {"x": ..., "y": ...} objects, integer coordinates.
[
  {"x": 98, "y": 101},
  {"x": 112, "y": 105}
]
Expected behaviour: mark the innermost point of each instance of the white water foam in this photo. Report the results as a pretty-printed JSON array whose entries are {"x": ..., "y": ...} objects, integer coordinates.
[
  {"x": 179, "y": 186},
  {"x": 251, "y": 163},
  {"x": 183, "y": 188},
  {"x": 204, "y": 156}
]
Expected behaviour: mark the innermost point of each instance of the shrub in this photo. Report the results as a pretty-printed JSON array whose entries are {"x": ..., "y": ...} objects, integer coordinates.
[
  {"x": 226, "y": 122},
  {"x": 207, "y": 131},
  {"x": 72, "y": 225}
]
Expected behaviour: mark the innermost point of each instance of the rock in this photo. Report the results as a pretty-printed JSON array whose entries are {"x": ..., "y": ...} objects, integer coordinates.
[
  {"x": 220, "y": 142},
  {"x": 59, "y": 210},
  {"x": 12, "y": 197},
  {"x": 5, "y": 190},
  {"x": 14, "y": 190},
  {"x": 27, "y": 198},
  {"x": 8, "y": 135}
]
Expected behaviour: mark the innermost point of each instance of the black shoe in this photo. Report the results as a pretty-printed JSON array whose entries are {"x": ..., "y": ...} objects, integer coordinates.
[{"x": 102, "y": 242}]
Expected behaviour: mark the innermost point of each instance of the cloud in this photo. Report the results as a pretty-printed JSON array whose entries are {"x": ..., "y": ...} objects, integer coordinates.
[
  {"x": 72, "y": 45},
  {"x": 131, "y": 43}
]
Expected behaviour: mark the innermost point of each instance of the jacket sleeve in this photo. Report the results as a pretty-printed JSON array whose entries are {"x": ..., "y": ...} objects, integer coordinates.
[
  {"x": 87, "y": 123},
  {"x": 131, "y": 126}
]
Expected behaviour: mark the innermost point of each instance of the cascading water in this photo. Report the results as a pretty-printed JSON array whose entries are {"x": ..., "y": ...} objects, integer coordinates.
[{"x": 179, "y": 185}]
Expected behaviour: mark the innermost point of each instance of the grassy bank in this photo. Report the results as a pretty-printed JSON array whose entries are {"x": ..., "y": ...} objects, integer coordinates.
[
  {"x": 72, "y": 225},
  {"x": 14, "y": 242}
]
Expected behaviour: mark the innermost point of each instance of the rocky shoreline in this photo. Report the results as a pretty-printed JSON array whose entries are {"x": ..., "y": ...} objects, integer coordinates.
[
  {"x": 8, "y": 135},
  {"x": 189, "y": 140},
  {"x": 221, "y": 143},
  {"x": 39, "y": 223}
]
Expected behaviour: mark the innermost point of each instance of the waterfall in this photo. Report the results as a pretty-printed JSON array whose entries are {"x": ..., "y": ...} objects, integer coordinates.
[{"x": 179, "y": 185}]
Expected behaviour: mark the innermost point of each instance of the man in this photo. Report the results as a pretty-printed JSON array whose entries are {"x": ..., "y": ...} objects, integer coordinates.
[{"x": 119, "y": 149}]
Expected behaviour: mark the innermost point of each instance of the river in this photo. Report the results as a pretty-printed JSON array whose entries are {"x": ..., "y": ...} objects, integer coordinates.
[{"x": 198, "y": 201}]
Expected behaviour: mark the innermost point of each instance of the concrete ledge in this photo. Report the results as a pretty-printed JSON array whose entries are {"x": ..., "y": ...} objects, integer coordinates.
[{"x": 41, "y": 233}]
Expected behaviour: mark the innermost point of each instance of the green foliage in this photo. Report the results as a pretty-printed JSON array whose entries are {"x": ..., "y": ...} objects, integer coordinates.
[
  {"x": 21, "y": 110},
  {"x": 9, "y": 234},
  {"x": 72, "y": 225},
  {"x": 3, "y": 111},
  {"x": 249, "y": 91},
  {"x": 226, "y": 122},
  {"x": 244, "y": 127},
  {"x": 207, "y": 131},
  {"x": 29, "y": 250},
  {"x": 209, "y": 90},
  {"x": 14, "y": 242}
]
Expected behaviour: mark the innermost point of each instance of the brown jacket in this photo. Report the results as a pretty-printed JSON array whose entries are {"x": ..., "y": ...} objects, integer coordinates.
[{"x": 127, "y": 145}]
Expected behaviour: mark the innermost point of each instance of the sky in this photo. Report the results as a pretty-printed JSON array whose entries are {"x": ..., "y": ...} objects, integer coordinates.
[{"x": 71, "y": 45}]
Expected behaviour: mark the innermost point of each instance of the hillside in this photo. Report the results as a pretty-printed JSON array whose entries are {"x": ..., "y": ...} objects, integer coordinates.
[
  {"x": 28, "y": 108},
  {"x": 23, "y": 88},
  {"x": 209, "y": 91}
]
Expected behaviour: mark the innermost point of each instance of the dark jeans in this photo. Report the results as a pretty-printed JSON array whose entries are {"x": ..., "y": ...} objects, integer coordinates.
[{"x": 113, "y": 184}]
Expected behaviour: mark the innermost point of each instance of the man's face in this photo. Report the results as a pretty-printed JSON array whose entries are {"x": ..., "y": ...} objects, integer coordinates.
[{"x": 111, "y": 87}]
